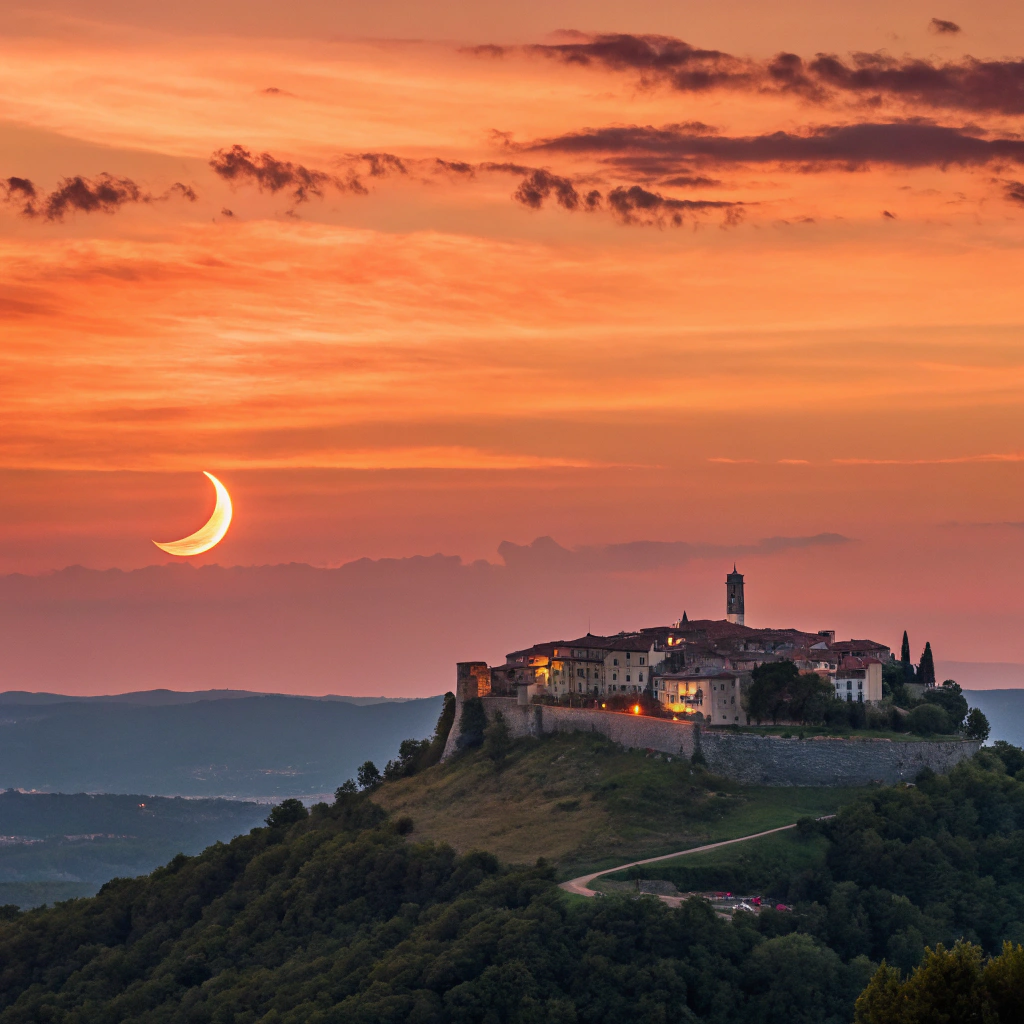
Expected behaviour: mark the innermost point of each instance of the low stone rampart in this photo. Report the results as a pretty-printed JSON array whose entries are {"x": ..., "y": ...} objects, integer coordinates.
[
  {"x": 748, "y": 758},
  {"x": 827, "y": 761},
  {"x": 662, "y": 734}
]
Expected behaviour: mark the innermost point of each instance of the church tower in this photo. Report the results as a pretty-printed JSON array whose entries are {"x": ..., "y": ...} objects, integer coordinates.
[{"x": 734, "y": 596}]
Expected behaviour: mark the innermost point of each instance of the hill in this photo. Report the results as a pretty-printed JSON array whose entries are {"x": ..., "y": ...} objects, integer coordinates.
[
  {"x": 55, "y": 846},
  {"x": 346, "y": 916},
  {"x": 159, "y": 698},
  {"x": 262, "y": 746},
  {"x": 582, "y": 802}
]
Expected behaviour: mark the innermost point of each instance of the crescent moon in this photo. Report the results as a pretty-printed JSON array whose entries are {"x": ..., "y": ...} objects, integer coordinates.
[{"x": 211, "y": 534}]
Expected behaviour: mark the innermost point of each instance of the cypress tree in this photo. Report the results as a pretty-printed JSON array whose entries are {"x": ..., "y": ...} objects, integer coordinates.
[
  {"x": 926, "y": 670},
  {"x": 908, "y": 669}
]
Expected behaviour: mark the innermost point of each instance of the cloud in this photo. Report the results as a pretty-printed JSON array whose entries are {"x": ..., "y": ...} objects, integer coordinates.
[
  {"x": 910, "y": 143},
  {"x": 383, "y": 164},
  {"x": 104, "y": 193},
  {"x": 690, "y": 181},
  {"x": 950, "y": 461},
  {"x": 240, "y": 166},
  {"x": 965, "y": 84},
  {"x": 546, "y": 554},
  {"x": 455, "y": 166},
  {"x": 942, "y": 27},
  {"x": 635, "y": 205},
  {"x": 541, "y": 184},
  {"x": 1014, "y": 191},
  {"x": 286, "y": 627}
]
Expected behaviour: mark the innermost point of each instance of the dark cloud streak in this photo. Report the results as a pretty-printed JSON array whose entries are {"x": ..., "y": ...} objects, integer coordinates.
[
  {"x": 966, "y": 84},
  {"x": 914, "y": 143}
]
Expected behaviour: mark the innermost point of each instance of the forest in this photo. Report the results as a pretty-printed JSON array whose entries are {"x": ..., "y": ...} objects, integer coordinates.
[{"x": 340, "y": 914}]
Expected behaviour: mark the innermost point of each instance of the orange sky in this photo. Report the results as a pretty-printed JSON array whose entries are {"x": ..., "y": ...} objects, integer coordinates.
[{"x": 794, "y": 306}]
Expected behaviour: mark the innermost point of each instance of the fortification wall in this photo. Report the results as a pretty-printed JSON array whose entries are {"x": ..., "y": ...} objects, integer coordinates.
[
  {"x": 756, "y": 760},
  {"x": 677, "y": 738},
  {"x": 773, "y": 761}
]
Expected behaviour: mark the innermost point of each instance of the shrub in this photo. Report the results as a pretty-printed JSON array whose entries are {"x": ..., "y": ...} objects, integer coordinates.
[
  {"x": 929, "y": 719},
  {"x": 497, "y": 739},
  {"x": 472, "y": 723}
]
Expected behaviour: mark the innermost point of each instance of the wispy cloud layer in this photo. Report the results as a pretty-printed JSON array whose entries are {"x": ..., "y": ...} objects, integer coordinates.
[{"x": 546, "y": 554}]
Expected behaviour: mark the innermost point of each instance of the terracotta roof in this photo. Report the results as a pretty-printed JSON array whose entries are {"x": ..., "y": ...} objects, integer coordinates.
[
  {"x": 851, "y": 662},
  {"x": 628, "y": 642}
]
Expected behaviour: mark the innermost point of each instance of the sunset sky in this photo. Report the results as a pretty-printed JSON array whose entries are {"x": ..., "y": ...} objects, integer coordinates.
[{"x": 422, "y": 278}]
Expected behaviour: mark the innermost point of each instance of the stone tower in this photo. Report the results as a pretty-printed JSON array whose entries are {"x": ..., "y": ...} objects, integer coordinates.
[{"x": 734, "y": 596}]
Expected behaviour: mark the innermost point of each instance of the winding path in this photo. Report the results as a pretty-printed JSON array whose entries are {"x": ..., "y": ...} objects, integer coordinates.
[{"x": 581, "y": 886}]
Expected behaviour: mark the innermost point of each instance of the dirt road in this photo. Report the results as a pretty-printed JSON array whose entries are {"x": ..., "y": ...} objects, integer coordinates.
[{"x": 581, "y": 886}]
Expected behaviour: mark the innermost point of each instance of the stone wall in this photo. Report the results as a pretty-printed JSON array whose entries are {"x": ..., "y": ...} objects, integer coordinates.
[
  {"x": 773, "y": 761},
  {"x": 748, "y": 758},
  {"x": 627, "y": 730}
]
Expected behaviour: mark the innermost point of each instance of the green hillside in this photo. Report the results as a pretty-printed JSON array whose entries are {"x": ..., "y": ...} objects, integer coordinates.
[
  {"x": 582, "y": 802},
  {"x": 343, "y": 915}
]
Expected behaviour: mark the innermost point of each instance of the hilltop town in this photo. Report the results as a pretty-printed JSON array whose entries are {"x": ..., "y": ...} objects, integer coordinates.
[{"x": 692, "y": 667}]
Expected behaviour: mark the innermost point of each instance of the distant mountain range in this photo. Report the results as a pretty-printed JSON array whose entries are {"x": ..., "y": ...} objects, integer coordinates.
[
  {"x": 163, "y": 698},
  {"x": 248, "y": 746}
]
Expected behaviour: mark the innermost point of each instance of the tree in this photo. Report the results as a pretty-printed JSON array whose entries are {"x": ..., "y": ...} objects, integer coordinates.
[
  {"x": 950, "y": 698},
  {"x": 950, "y": 986},
  {"x": 779, "y": 690},
  {"x": 287, "y": 812},
  {"x": 368, "y": 775},
  {"x": 976, "y": 726},
  {"x": 929, "y": 719},
  {"x": 767, "y": 696},
  {"x": 1004, "y": 982},
  {"x": 926, "y": 669},
  {"x": 905, "y": 663},
  {"x": 412, "y": 755}
]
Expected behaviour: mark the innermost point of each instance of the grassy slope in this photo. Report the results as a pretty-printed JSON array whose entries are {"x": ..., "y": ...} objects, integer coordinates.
[
  {"x": 753, "y": 865},
  {"x": 583, "y": 803}
]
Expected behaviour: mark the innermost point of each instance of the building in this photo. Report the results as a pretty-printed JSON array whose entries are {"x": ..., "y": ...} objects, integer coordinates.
[
  {"x": 590, "y": 666},
  {"x": 859, "y": 679},
  {"x": 734, "y": 596}
]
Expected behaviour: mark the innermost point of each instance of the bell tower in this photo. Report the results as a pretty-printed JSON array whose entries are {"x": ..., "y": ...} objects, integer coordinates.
[{"x": 734, "y": 596}]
